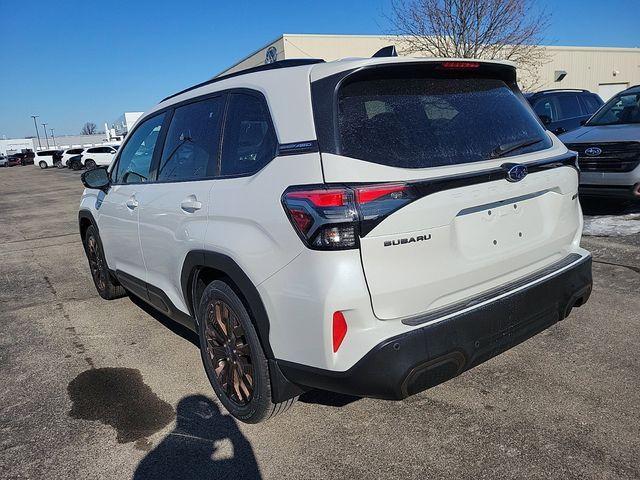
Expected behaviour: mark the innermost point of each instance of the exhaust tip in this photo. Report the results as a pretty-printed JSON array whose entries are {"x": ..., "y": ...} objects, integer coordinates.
[{"x": 636, "y": 190}]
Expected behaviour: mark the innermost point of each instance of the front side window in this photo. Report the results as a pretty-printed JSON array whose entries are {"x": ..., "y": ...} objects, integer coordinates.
[
  {"x": 134, "y": 162},
  {"x": 193, "y": 142},
  {"x": 621, "y": 109},
  {"x": 403, "y": 121},
  {"x": 249, "y": 138}
]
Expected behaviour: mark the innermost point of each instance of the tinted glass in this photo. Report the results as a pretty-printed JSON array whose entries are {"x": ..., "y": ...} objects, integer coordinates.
[
  {"x": 621, "y": 109},
  {"x": 546, "y": 107},
  {"x": 135, "y": 159},
  {"x": 426, "y": 122},
  {"x": 590, "y": 103},
  {"x": 569, "y": 105},
  {"x": 193, "y": 141},
  {"x": 75, "y": 151},
  {"x": 249, "y": 139}
]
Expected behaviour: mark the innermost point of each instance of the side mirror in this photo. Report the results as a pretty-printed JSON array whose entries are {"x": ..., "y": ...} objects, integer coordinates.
[
  {"x": 545, "y": 119},
  {"x": 97, "y": 178}
]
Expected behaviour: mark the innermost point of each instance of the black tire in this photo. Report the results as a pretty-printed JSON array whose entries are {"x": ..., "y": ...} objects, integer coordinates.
[
  {"x": 43, "y": 164},
  {"x": 106, "y": 285},
  {"x": 241, "y": 356},
  {"x": 76, "y": 165},
  {"x": 89, "y": 164}
]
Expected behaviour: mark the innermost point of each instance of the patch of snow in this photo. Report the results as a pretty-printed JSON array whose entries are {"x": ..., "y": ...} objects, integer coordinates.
[{"x": 612, "y": 225}]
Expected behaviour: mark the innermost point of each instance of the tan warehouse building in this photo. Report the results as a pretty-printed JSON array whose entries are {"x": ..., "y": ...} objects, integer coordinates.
[{"x": 603, "y": 70}]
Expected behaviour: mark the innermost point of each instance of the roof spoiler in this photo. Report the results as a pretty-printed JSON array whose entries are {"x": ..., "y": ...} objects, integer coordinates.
[{"x": 388, "y": 51}]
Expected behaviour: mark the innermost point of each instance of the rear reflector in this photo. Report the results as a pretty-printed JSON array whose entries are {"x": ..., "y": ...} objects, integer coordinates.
[{"x": 339, "y": 330}]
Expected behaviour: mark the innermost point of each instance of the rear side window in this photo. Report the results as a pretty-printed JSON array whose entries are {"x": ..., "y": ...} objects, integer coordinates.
[
  {"x": 569, "y": 105},
  {"x": 249, "y": 138},
  {"x": 135, "y": 159},
  {"x": 427, "y": 122},
  {"x": 75, "y": 151},
  {"x": 193, "y": 142}
]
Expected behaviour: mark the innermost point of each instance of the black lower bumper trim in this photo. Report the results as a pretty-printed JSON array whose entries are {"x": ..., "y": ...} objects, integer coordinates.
[
  {"x": 424, "y": 357},
  {"x": 610, "y": 191}
]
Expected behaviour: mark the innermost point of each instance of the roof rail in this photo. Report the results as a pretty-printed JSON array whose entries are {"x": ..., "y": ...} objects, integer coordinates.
[
  {"x": 388, "y": 51},
  {"x": 292, "y": 62},
  {"x": 563, "y": 90}
]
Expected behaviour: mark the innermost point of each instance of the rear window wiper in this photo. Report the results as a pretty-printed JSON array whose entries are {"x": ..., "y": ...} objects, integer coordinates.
[{"x": 502, "y": 150}]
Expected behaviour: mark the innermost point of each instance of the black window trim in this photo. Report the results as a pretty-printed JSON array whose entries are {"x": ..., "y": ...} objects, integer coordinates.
[{"x": 169, "y": 111}]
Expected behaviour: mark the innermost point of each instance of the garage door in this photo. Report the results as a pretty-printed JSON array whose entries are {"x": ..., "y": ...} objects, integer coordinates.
[{"x": 608, "y": 90}]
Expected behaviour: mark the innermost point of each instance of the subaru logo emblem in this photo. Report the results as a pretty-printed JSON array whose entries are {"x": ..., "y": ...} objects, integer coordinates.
[
  {"x": 515, "y": 172},
  {"x": 593, "y": 151},
  {"x": 271, "y": 55}
]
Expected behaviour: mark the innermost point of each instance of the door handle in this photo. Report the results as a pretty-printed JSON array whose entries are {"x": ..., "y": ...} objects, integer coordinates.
[
  {"x": 191, "y": 204},
  {"x": 132, "y": 203}
]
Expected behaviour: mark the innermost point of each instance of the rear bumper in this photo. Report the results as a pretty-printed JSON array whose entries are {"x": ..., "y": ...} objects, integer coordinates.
[{"x": 424, "y": 357}]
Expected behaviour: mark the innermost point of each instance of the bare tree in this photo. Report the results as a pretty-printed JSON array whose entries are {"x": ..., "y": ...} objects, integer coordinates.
[
  {"x": 487, "y": 29},
  {"x": 88, "y": 128}
]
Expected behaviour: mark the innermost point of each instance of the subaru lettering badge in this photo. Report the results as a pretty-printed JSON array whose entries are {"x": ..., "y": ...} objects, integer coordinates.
[
  {"x": 515, "y": 172},
  {"x": 593, "y": 151}
]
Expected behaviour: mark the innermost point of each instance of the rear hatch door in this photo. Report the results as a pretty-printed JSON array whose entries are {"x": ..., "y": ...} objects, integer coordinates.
[{"x": 459, "y": 188}]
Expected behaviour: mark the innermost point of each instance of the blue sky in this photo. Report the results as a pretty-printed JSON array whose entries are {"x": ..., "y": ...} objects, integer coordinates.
[{"x": 76, "y": 61}]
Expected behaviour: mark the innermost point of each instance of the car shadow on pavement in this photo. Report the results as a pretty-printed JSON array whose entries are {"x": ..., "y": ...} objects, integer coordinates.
[
  {"x": 172, "y": 325},
  {"x": 204, "y": 444}
]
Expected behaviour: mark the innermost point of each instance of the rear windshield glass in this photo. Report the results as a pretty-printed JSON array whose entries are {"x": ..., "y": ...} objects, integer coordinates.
[{"x": 429, "y": 122}]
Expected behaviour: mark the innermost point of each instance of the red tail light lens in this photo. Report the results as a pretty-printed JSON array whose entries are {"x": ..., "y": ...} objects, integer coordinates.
[
  {"x": 331, "y": 218},
  {"x": 334, "y": 197},
  {"x": 339, "y": 330}
]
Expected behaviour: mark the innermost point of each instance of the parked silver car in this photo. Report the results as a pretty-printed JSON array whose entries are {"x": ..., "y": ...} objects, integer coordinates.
[
  {"x": 608, "y": 145},
  {"x": 3, "y": 161}
]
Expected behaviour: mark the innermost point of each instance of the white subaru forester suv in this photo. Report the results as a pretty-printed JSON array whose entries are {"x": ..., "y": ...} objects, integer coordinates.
[{"x": 367, "y": 226}]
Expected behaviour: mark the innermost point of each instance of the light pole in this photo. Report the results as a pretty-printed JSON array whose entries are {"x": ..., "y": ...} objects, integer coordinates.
[
  {"x": 37, "y": 133},
  {"x": 44, "y": 127},
  {"x": 53, "y": 138}
]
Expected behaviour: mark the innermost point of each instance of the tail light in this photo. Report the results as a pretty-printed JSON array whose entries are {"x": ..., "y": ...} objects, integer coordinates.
[{"x": 333, "y": 218}]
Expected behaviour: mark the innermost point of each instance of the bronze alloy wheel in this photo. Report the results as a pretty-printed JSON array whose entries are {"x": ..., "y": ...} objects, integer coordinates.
[
  {"x": 95, "y": 263},
  {"x": 230, "y": 354}
]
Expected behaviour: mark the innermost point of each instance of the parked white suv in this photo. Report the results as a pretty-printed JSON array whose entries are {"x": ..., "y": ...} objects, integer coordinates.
[
  {"x": 72, "y": 158},
  {"x": 48, "y": 158},
  {"x": 94, "y": 156},
  {"x": 369, "y": 226}
]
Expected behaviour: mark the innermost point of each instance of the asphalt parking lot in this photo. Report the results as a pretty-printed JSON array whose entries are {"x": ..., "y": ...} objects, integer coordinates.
[{"x": 96, "y": 389}]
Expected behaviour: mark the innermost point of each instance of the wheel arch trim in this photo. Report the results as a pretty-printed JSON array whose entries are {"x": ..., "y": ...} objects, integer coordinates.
[{"x": 196, "y": 260}]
